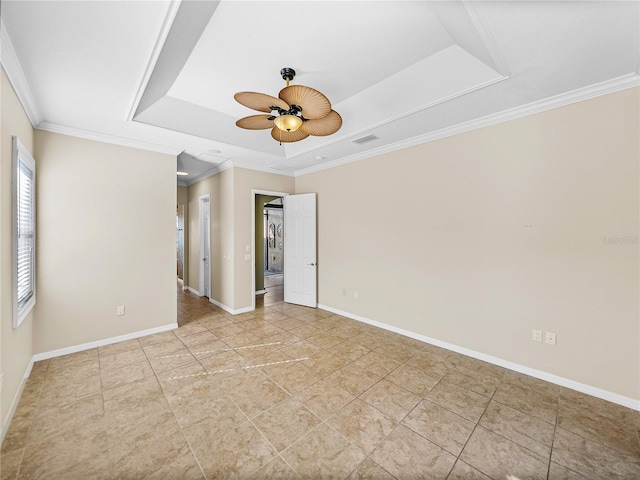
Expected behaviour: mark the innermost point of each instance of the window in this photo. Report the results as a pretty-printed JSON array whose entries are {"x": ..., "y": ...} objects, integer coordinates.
[{"x": 24, "y": 229}]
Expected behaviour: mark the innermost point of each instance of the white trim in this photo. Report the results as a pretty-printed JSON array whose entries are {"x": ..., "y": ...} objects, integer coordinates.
[
  {"x": 102, "y": 137},
  {"x": 488, "y": 39},
  {"x": 368, "y": 129},
  {"x": 231, "y": 310},
  {"x": 592, "y": 91},
  {"x": 249, "y": 166},
  {"x": 193, "y": 290},
  {"x": 260, "y": 292},
  {"x": 6, "y": 421},
  {"x": 549, "y": 377},
  {"x": 226, "y": 165},
  {"x": 21, "y": 155},
  {"x": 255, "y": 192},
  {"x": 101, "y": 343},
  {"x": 17, "y": 78},
  {"x": 167, "y": 23}
]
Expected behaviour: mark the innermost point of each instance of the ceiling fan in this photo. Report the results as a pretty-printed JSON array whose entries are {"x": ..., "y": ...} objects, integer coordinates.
[{"x": 298, "y": 112}]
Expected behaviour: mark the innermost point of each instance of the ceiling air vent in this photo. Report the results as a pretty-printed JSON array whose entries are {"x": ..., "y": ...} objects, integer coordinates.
[
  {"x": 368, "y": 138},
  {"x": 279, "y": 166}
]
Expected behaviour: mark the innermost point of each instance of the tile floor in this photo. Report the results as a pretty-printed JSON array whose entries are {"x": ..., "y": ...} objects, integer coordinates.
[{"x": 289, "y": 392}]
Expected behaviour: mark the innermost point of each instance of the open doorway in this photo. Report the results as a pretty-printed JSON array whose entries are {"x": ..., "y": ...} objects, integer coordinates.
[
  {"x": 273, "y": 241},
  {"x": 204, "y": 278},
  {"x": 180, "y": 244},
  {"x": 268, "y": 247}
]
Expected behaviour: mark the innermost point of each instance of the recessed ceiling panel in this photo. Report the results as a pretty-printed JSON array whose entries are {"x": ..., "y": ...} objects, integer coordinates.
[
  {"x": 440, "y": 77},
  {"x": 247, "y": 43}
]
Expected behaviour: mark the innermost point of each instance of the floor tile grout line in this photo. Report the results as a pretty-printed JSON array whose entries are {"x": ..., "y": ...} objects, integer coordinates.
[
  {"x": 278, "y": 453},
  {"x": 180, "y": 426},
  {"x": 32, "y": 419},
  {"x": 476, "y": 425},
  {"x": 553, "y": 438}
]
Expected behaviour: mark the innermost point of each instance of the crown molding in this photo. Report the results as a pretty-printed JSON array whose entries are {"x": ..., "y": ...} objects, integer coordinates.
[
  {"x": 227, "y": 165},
  {"x": 592, "y": 91},
  {"x": 15, "y": 73},
  {"x": 221, "y": 167},
  {"x": 101, "y": 137},
  {"x": 248, "y": 166}
]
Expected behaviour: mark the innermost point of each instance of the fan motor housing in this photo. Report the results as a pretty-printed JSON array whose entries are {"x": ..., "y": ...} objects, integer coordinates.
[{"x": 288, "y": 73}]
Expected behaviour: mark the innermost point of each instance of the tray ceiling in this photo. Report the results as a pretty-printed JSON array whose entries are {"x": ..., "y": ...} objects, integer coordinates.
[{"x": 162, "y": 75}]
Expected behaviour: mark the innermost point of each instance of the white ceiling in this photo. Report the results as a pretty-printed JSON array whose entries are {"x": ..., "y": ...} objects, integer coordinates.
[{"x": 161, "y": 75}]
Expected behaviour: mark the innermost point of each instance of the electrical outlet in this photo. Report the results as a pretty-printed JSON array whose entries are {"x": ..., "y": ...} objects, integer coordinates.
[
  {"x": 344, "y": 292},
  {"x": 536, "y": 335},
  {"x": 550, "y": 338},
  {"x": 120, "y": 310},
  {"x": 356, "y": 295}
]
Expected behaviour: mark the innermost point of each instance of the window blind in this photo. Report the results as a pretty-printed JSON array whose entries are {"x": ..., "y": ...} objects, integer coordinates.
[{"x": 26, "y": 238}]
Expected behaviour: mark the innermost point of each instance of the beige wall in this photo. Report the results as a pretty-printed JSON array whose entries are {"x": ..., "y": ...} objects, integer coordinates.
[
  {"x": 106, "y": 237},
  {"x": 15, "y": 344},
  {"x": 231, "y": 209},
  {"x": 220, "y": 190},
  {"x": 477, "y": 238}
]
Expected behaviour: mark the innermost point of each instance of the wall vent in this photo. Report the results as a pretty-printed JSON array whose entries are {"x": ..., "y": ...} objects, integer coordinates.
[{"x": 368, "y": 138}]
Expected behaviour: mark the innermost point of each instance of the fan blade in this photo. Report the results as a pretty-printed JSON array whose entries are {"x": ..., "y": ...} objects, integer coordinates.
[
  {"x": 255, "y": 122},
  {"x": 323, "y": 126},
  {"x": 288, "y": 137},
  {"x": 259, "y": 101},
  {"x": 314, "y": 104}
]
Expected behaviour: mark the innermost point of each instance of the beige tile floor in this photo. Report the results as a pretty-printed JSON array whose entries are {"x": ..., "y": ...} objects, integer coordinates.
[{"x": 289, "y": 392}]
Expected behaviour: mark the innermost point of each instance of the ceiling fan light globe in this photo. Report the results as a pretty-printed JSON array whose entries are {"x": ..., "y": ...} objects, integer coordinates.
[{"x": 288, "y": 123}]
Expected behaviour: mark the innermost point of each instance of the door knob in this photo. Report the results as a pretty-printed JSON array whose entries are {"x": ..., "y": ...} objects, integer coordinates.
[{"x": 312, "y": 264}]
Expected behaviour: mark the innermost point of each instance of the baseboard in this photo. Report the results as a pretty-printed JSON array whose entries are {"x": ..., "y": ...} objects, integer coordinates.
[
  {"x": 226, "y": 308},
  {"x": 101, "y": 343},
  {"x": 549, "y": 377},
  {"x": 260, "y": 292},
  {"x": 6, "y": 422},
  {"x": 192, "y": 290},
  {"x": 231, "y": 310}
]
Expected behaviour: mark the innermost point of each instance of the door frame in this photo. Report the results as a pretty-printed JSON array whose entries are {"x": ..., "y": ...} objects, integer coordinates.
[
  {"x": 202, "y": 229},
  {"x": 255, "y": 192}
]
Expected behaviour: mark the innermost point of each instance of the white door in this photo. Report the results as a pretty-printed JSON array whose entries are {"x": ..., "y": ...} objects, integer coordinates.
[
  {"x": 205, "y": 225},
  {"x": 300, "y": 260}
]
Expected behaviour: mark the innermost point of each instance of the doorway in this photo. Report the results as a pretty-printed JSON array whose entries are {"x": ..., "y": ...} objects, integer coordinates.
[
  {"x": 204, "y": 284},
  {"x": 273, "y": 241},
  {"x": 268, "y": 246},
  {"x": 180, "y": 242}
]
